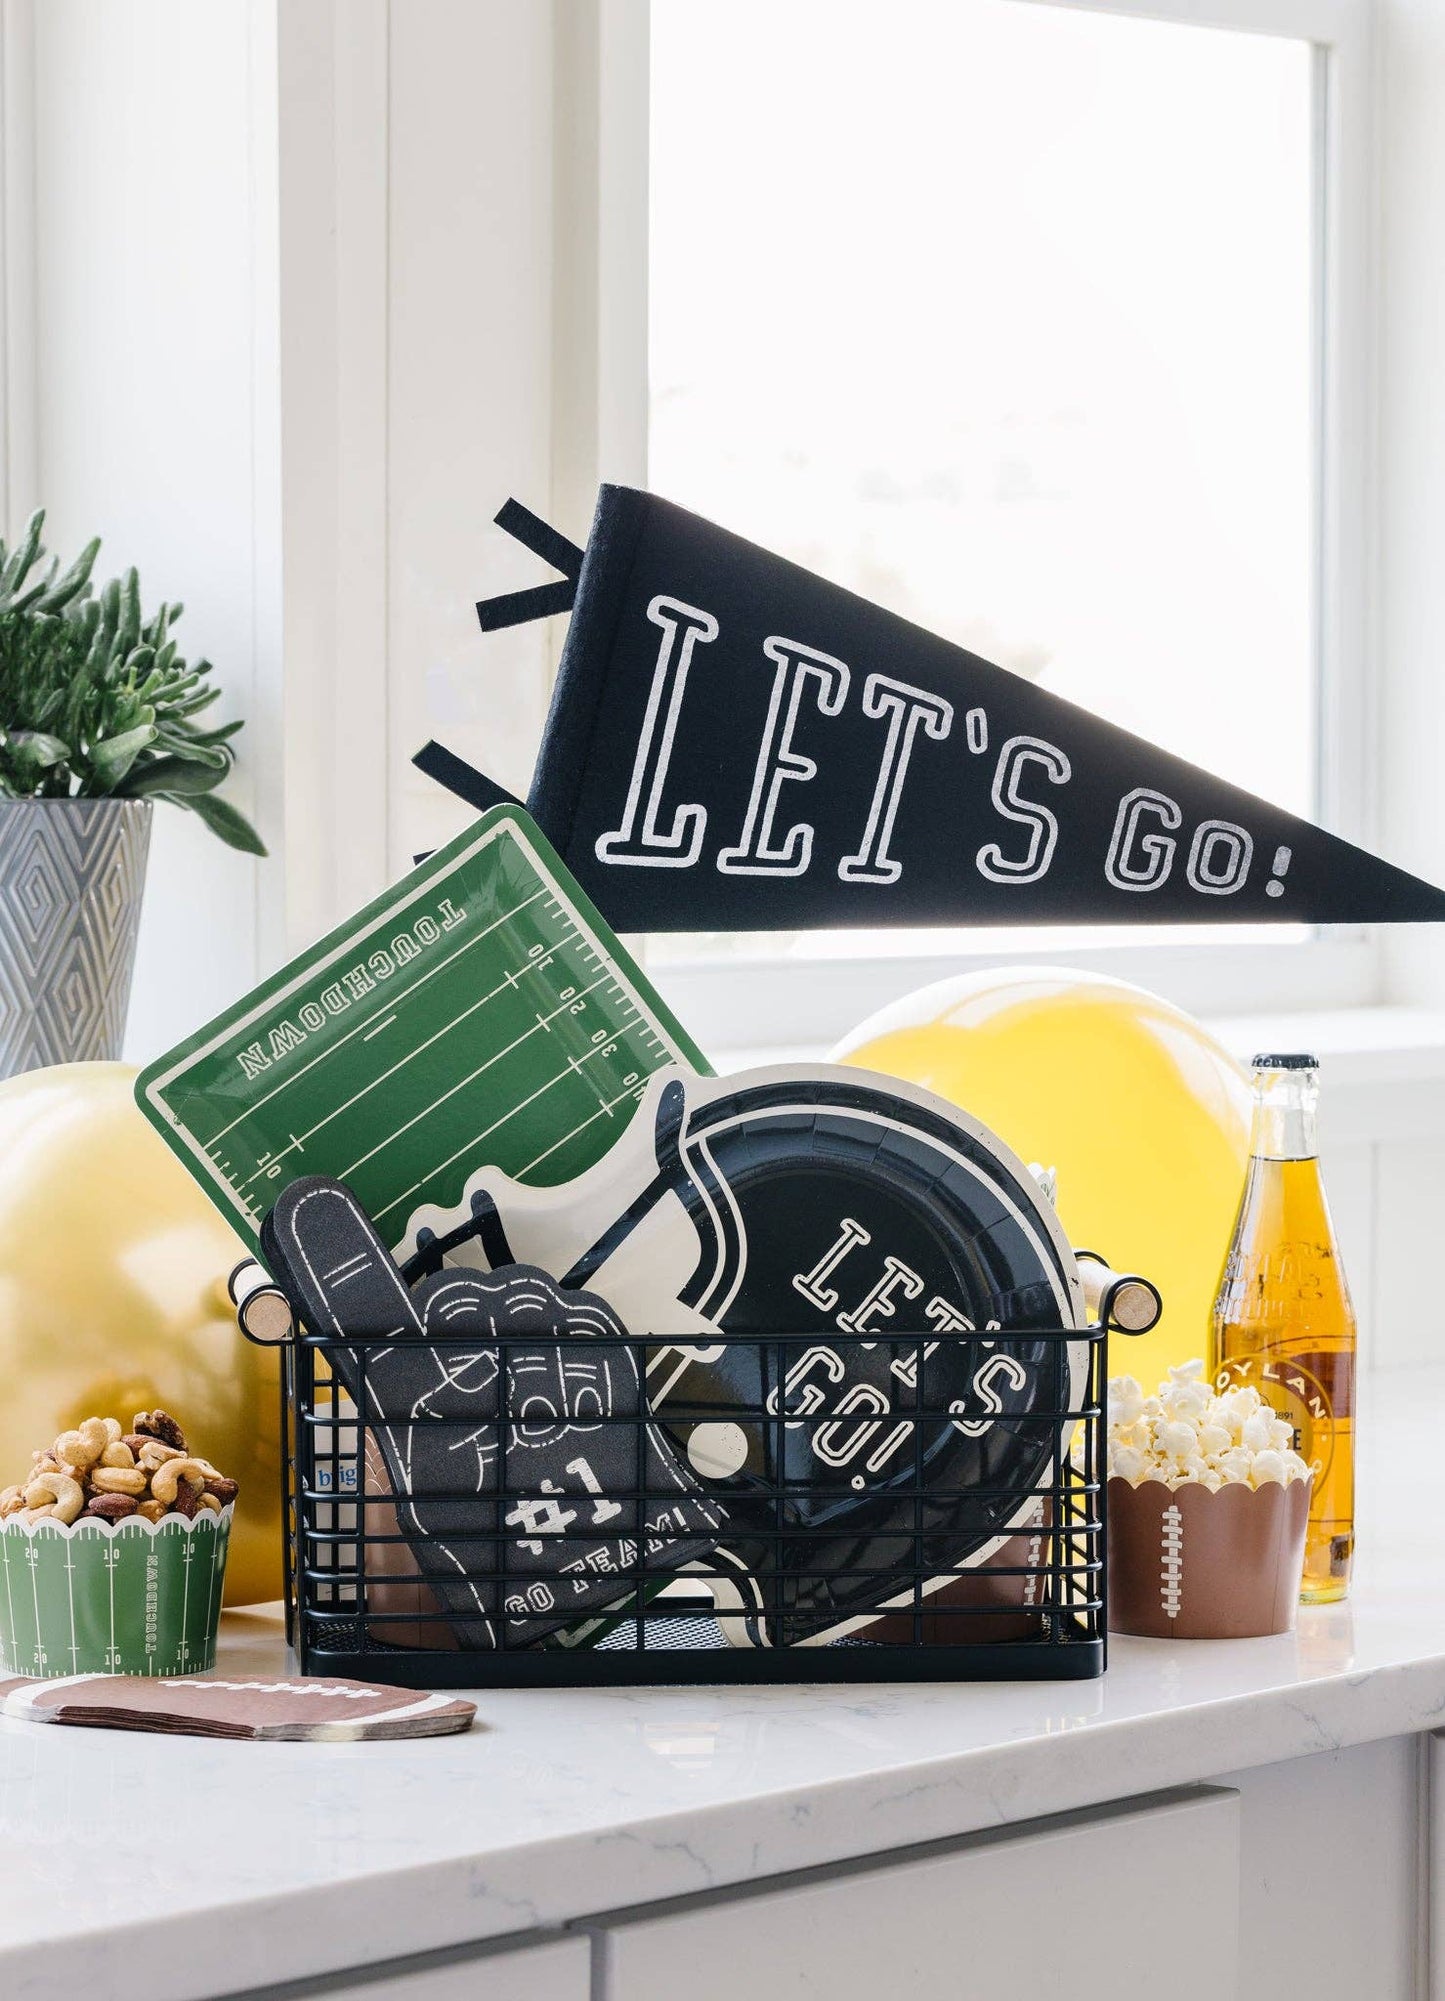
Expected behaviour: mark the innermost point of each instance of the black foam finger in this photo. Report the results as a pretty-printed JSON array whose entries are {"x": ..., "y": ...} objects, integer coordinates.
[
  {"x": 536, "y": 1438},
  {"x": 324, "y": 1252}
]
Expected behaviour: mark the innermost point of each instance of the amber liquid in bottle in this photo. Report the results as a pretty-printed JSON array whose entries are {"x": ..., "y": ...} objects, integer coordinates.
[{"x": 1283, "y": 1321}]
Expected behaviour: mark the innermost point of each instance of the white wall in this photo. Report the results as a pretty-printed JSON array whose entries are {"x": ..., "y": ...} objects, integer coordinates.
[
  {"x": 149, "y": 420},
  {"x": 1409, "y": 1168},
  {"x": 292, "y": 278},
  {"x": 292, "y": 281},
  {"x": 470, "y": 234},
  {"x": 416, "y": 337},
  {"x": 1411, "y": 621}
]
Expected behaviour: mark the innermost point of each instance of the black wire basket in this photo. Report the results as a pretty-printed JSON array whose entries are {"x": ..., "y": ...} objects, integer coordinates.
[{"x": 783, "y": 1535}]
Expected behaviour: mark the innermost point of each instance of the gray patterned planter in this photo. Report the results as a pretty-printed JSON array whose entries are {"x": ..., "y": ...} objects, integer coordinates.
[{"x": 72, "y": 872}]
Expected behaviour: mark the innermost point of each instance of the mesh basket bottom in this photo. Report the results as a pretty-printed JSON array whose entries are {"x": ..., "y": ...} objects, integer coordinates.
[{"x": 665, "y": 1636}]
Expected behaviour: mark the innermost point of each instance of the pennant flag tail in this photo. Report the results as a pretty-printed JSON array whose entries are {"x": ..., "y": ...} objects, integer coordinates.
[
  {"x": 461, "y": 778},
  {"x": 735, "y": 744}
]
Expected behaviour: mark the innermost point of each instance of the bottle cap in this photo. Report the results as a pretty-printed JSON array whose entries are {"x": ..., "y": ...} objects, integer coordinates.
[{"x": 1297, "y": 1062}]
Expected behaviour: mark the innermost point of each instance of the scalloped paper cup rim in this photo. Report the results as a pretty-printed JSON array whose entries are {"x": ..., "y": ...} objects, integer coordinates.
[{"x": 93, "y": 1525}]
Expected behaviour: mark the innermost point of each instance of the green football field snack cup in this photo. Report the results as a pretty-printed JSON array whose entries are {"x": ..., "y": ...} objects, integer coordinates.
[{"x": 138, "y": 1597}]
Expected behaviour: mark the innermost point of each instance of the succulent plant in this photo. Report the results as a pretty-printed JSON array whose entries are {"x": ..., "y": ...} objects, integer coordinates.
[{"x": 95, "y": 700}]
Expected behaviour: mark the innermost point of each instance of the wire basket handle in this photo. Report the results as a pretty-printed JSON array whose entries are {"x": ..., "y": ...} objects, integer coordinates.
[
  {"x": 263, "y": 1312},
  {"x": 1121, "y": 1301}
]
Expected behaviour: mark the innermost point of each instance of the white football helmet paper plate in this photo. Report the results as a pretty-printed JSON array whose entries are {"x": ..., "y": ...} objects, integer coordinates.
[{"x": 917, "y": 1266}]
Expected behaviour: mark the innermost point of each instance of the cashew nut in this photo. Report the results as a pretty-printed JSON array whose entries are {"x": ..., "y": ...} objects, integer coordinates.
[
  {"x": 210, "y": 1503},
  {"x": 83, "y": 1446},
  {"x": 166, "y": 1479},
  {"x": 116, "y": 1454},
  {"x": 151, "y": 1510},
  {"x": 66, "y": 1494},
  {"x": 118, "y": 1480},
  {"x": 153, "y": 1453},
  {"x": 113, "y": 1428}
]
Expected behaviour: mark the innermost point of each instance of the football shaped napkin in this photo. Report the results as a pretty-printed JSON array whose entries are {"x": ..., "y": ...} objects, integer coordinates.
[{"x": 210, "y": 1706}]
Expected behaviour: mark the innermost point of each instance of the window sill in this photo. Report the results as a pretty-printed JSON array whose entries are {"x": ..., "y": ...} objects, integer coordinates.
[
  {"x": 802, "y": 1002},
  {"x": 1383, "y": 1068}
]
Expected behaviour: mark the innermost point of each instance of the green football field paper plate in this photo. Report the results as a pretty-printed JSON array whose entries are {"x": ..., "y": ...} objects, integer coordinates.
[
  {"x": 90, "y": 1598},
  {"x": 478, "y": 1013}
]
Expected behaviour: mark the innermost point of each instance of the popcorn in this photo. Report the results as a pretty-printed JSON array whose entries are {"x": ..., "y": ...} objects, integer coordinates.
[
  {"x": 1236, "y": 1464},
  {"x": 1271, "y": 1465},
  {"x": 1126, "y": 1399},
  {"x": 1258, "y": 1432},
  {"x": 1188, "y": 1435},
  {"x": 1129, "y": 1463},
  {"x": 1177, "y": 1439}
]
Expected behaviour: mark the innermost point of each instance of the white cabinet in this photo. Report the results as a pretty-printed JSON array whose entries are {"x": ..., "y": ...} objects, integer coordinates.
[
  {"x": 1434, "y": 1845},
  {"x": 1329, "y": 1850},
  {"x": 560, "y": 1971},
  {"x": 1098, "y": 1907}
]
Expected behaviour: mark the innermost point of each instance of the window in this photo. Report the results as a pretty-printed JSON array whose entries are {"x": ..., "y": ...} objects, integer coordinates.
[
  {"x": 1003, "y": 315},
  {"x": 1012, "y": 317}
]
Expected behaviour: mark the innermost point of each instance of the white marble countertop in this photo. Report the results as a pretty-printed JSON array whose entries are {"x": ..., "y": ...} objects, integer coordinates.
[{"x": 150, "y": 1869}]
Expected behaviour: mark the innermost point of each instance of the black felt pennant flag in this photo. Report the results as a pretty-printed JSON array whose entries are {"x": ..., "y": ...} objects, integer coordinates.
[{"x": 736, "y": 744}]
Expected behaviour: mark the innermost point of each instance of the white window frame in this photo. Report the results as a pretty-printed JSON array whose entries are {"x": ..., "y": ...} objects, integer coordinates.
[{"x": 601, "y": 402}]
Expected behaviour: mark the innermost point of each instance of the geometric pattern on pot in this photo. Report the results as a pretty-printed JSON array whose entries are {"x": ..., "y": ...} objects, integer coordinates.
[
  {"x": 912, "y": 1249},
  {"x": 72, "y": 873}
]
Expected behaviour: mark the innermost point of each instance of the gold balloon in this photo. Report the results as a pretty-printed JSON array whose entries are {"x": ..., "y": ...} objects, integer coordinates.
[
  {"x": 1144, "y": 1114},
  {"x": 113, "y": 1298}
]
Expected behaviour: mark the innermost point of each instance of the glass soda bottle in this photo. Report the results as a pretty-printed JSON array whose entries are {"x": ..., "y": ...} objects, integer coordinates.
[{"x": 1283, "y": 1321}]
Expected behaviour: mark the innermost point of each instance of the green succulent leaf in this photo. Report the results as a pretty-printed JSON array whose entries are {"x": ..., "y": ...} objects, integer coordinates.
[
  {"x": 35, "y": 748},
  {"x": 18, "y": 562},
  {"x": 111, "y": 759},
  {"x": 233, "y": 827},
  {"x": 221, "y": 734},
  {"x": 177, "y": 777},
  {"x": 76, "y": 580}
]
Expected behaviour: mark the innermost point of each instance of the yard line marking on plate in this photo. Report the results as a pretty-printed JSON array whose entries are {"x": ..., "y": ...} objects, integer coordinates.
[
  {"x": 341, "y": 1040},
  {"x": 356, "y": 1097},
  {"x": 633, "y": 1091},
  {"x": 461, "y": 1085},
  {"x": 475, "y": 1141}
]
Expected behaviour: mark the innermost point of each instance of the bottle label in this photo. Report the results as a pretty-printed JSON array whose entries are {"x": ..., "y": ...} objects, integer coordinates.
[{"x": 1311, "y": 1391}]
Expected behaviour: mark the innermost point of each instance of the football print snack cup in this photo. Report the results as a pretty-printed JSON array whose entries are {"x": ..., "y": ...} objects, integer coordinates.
[
  {"x": 113, "y": 1553},
  {"x": 1207, "y": 1512}
]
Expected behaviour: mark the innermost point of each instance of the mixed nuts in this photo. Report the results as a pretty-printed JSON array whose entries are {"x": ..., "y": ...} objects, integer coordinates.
[{"x": 104, "y": 1472}]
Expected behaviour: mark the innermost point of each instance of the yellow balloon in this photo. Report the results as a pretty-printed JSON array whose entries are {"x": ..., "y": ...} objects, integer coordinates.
[
  {"x": 1144, "y": 1114},
  {"x": 113, "y": 1298}
]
